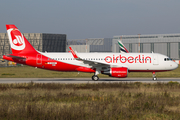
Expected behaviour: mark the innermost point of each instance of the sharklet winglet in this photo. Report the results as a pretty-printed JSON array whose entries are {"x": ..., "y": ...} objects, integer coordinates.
[{"x": 73, "y": 53}]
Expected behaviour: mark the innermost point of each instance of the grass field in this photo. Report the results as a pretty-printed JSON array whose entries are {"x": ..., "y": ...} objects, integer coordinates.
[
  {"x": 31, "y": 72},
  {"x": 102, "y": 101}
]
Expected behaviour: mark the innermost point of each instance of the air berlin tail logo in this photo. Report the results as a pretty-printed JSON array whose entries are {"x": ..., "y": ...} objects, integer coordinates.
[{"x": 16, "y": 39}]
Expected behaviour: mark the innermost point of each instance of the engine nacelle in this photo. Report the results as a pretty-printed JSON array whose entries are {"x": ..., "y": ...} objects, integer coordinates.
[{"x": 120, "y": 72}]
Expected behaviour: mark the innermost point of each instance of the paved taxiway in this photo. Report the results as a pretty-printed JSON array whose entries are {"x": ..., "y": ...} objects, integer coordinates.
[{"x": 84, "y": 80}]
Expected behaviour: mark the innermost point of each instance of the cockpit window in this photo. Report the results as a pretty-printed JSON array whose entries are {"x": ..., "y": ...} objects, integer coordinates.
[{"x": 167, "y": 59}]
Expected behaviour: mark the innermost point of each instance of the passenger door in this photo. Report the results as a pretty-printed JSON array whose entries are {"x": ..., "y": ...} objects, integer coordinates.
[{"x": 155, "y": 60}]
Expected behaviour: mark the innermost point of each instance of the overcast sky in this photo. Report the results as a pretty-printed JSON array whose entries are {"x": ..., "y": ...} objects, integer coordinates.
[{"x": 81, "y": 19}]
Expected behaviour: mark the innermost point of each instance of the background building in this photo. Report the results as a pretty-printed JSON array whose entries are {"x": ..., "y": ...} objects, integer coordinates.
[
  {"x": 167, "y": 44},
  {"x": 91, "y": 45},
  {"x": 40, "y": 41}
]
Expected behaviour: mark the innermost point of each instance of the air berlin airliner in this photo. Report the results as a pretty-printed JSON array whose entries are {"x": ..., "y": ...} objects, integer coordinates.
[{"x": 112, "y": 64}]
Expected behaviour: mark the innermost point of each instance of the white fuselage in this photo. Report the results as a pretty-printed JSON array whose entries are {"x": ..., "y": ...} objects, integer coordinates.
[{"x": 133, "y": 61}]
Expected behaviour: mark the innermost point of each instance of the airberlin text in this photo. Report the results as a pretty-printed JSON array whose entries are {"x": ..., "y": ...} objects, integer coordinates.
[{"x": 129, "y": 59}]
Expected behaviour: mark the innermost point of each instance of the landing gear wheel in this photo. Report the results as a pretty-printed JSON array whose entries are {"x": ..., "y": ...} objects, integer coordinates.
[
  {"x": 154, "y": 78},
  {"x": 95, "y": 78}
]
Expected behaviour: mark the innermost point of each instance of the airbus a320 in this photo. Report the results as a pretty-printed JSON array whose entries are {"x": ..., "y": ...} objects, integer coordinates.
[{"x": 112, "y": 64}]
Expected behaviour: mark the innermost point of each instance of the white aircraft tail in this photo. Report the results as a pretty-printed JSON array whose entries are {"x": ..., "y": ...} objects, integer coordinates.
[{"x": 122, "y": 47}]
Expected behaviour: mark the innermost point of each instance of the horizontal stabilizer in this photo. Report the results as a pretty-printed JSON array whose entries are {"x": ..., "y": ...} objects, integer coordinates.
[{"x": 17, "y": 57}]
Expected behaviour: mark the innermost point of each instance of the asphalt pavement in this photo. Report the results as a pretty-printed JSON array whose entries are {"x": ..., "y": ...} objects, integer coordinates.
[{"x": 84, "y": 80}]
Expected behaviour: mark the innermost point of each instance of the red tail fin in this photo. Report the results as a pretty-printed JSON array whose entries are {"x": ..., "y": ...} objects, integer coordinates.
[{"x": 18, "y": 43}]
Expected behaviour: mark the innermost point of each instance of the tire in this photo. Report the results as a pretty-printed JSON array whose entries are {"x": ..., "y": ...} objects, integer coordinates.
[
  {"x": 154, "y": 78},
  {"x": 95, "y": 78}
]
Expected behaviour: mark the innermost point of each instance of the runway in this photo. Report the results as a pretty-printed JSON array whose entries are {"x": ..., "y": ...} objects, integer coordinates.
[{"x": 84, "y": 80}]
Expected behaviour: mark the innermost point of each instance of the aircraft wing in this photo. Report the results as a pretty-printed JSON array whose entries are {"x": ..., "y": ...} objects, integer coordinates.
[{"x": 94, "y": 64}]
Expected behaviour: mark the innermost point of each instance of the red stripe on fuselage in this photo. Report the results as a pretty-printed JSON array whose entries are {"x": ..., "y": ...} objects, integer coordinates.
[
  {"x": 148, "y": 70},
  {"x": 50, "y": 64}
]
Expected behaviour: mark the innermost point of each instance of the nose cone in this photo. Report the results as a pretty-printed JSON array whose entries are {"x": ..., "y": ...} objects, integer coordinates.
[{"x": 174, "y": 65}]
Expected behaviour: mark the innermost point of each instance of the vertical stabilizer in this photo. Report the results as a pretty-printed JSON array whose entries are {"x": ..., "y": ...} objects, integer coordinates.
[
  {"x": 18, "y": 43},
  {"x": 122, "y": 47}
]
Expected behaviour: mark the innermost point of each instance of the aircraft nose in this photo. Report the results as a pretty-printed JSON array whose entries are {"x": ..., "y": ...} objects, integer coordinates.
[{"x": 174, "y": 65}]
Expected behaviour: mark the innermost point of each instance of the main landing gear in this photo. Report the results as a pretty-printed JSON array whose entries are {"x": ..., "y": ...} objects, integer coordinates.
[
  {"x": 154, "y": 76},
  {"x": 95, "y": 77}
]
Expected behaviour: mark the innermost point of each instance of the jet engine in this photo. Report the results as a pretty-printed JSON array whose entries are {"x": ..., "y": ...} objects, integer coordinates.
[{"x": 119, "y": 72}]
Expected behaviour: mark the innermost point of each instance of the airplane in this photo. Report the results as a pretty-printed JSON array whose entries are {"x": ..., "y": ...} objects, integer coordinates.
[
  {"x": 122, "y": 47},
  {"x": 113, "y": 64}
]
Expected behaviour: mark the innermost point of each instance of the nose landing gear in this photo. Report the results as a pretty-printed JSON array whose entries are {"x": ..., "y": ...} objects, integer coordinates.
[{"x": 154, "y": 76}]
